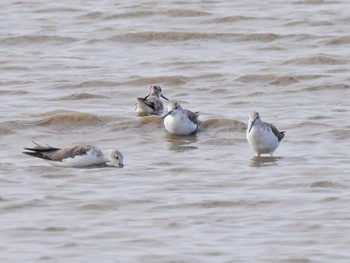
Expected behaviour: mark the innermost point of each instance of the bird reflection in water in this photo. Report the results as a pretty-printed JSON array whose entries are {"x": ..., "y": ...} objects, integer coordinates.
[
  {"x": 259, "y": 161},
  {"x": 180, "y": 143}
]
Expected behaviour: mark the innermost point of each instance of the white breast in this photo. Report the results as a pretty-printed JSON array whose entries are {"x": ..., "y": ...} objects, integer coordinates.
[
  {"x": 262, "y": 139},
  {"x": 179, "y": 125}
]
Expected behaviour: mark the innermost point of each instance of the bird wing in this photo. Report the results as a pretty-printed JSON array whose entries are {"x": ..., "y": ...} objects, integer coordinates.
[
  {"x": 150, "y": 103},
  {"x": 277, "y": 133},
  {"x": 58, "y": 154},
  {"x": 154, "y": 103},
  {"x": 193, "y": 116}
]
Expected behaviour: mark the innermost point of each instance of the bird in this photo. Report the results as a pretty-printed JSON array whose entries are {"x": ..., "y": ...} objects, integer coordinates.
[
  {"x": 151, "y": 104},
  {"x": 77, "y": 155},
  {"x": 179, "y": 121},
  {"x": 263, "y": 137}
]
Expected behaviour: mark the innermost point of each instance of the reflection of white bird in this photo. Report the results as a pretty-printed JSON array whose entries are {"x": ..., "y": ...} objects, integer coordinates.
[
  {"x": 180, "y": 121},
  {"x": 78, "y": 155},
  {"x": 262, "y": 136},
  {"x": 151, "y": 104}
]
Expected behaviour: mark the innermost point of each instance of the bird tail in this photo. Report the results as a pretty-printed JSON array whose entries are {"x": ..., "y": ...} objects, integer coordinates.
[
  {"x": 35, "y": 154},
  {"x": 282, "y": 133},
  {"x": 40, "y": 151}
]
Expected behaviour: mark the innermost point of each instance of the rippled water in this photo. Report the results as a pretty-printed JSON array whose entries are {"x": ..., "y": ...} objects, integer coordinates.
[{"x": 70, "y": 72}]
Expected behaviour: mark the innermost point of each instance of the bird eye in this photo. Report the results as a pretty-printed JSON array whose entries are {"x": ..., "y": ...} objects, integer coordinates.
[{"x": 117, "y": 157}]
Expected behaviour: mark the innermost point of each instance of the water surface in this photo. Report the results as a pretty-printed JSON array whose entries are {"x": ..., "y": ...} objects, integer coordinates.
[{"x": 71, "y": 72}]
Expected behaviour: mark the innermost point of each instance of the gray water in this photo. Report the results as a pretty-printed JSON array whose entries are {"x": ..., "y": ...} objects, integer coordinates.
[{"x": 71, "y": 72}]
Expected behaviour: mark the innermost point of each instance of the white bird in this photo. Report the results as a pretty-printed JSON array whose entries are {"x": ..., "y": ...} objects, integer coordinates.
[
  {"x": 262, "y": 136},
  {"x": 179, "y": 121},
  {"x": 77, "y": 155},
  {"x": 151, "y": 104}
]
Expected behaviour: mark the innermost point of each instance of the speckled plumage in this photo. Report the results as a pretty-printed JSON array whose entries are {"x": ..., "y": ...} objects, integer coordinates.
[{"x": 77, "y": 155}]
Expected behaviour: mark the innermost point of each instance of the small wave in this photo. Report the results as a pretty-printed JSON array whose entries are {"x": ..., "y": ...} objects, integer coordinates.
[
  {"x": 152, "y": 122},
  {"x": 104, "y": 205},
  {"x": 186, "y": 36},
  {"x": 344, "y": 40},
  {"x": 315, "y": 2},
  {"x": 327, "y": 87},
  {"x": 71, "y": 117},
  {"x": 186, "y": 13},
  {"x": 261, "y": 37},
  {"x": 167, "y": 36},
  {"x": 256, "y": 94},
  {"x": 14, "y": 68},
  {"x": 319, "y": 117},
  {"x": 3, "y": 199},
  {"x": 13, "y": 92},
  {"x": 92, "y": 15},
  {"x": 219, "y": 203},
  {"x": 218, "y": 91},
  {"x": 172, "y": 13},
  {"x": 82, "y": 96},
  {"x": 228, "y": 203},
  {"x": 123, "y": 125},
  {"x": 136, "y": 81},
  {"x": 156, "y": 36},
  {"x": 320, "y": 59},
  {"x": 284, "y": 80},
  {"x": 314, "y": 124},
  {"x": 308, "y": 23},
  {"x": 69, "y": 245},
  {"x": 256, "y": 78},
  {"x": 37, "y": 39},
  {"x": 97, "y": 83},
  {"x": 223, "y": 123},
  {"x": 295, "y": 23},
  {"x": 341, "y": 134},
  {"x": 149, "y": 120},
  {"x": 5, "y": 131},
  {"x": 55, "y": 229},
  {"x": 166, "y": 80},
  {"x": 230, "y": 19},
  {"x": 58, "y": 10},
  {"x": 272, "y": 79},
  {"x": 24, "y": 205},
  {"x": 136, "y": 14},
  {"x": 325, "y": 184},
  {"x": 310, "y": 77}
]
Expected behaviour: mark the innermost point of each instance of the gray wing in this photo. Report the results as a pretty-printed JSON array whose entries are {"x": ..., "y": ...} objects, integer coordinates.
[
  {"x": 277, "y": 133},
  {"x": 58, "y": 154},
  {"x": 193, "y": 116},
  {"x": 70, "y": 152},
  {"x": 155, "y": 104}
]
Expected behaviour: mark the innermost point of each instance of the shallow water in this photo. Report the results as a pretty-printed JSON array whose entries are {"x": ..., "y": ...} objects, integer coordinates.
[{"x": 70, "y": 73}]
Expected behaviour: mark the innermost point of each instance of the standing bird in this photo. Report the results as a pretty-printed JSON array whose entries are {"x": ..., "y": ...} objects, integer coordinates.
[
  {"x": 151, "y": 104},
  {"x": 179, "y": 121},
  {"x": 77, "y": 155},
  {"x": 262, "y": 136}
]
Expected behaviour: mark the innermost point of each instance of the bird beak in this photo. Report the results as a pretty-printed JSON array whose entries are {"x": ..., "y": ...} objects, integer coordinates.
[
  {"x": 121, "y": 165},
  {"x": 168, "y": 113},
  {"x": 164, "y": 97},
  {"x": 251, "y": 124}
]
